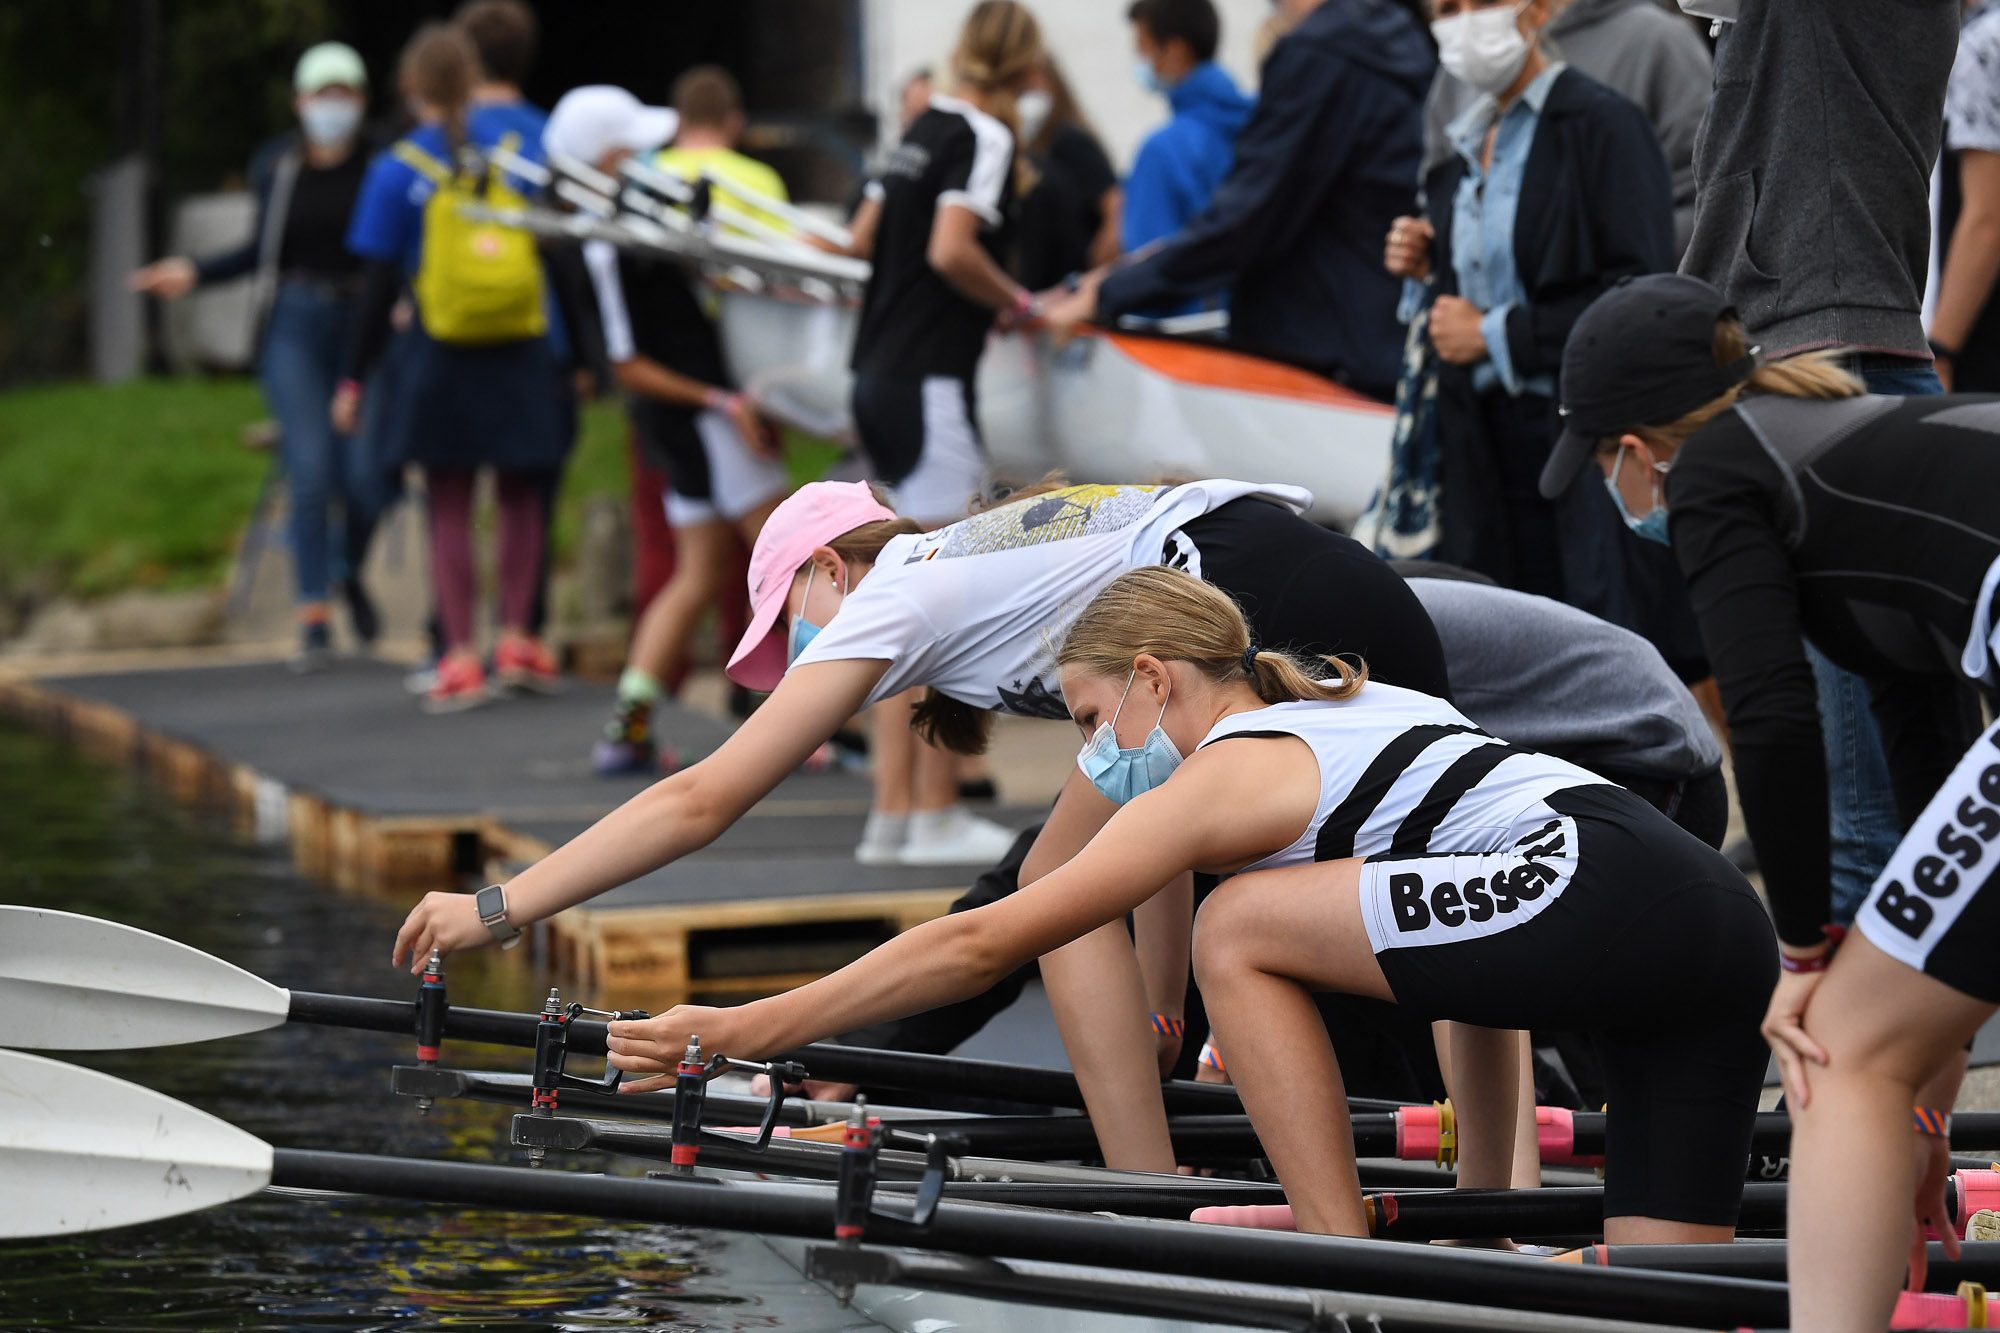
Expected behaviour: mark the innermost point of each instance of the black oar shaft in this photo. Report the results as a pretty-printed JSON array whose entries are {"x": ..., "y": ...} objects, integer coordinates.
[
  {"x": 1531, "y": 1213},
  {"x": 1979, "y": 1261},
  {"x": 493, "y": 1026},
  {"x": 1023, "y": 1233}
]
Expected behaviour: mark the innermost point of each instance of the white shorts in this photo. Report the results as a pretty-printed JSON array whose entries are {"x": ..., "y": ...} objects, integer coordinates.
[
  {"x": 1936, "y": 906},
  {"x": 729, "y": 480}
]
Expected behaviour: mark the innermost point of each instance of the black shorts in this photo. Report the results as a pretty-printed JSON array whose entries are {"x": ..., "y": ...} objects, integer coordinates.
[
  {"x": 1636, "y": 933},
  {"x": 1936, "y": 906},
  {"x": 921, "y": 436},
  {"x": 1310, "y": 590}
]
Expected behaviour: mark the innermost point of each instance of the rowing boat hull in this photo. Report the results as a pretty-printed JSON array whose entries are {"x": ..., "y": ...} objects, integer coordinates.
[{"x": 1107, "y": 407}]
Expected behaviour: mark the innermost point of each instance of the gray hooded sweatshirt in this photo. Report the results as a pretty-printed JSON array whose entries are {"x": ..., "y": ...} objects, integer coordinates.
[{"x": 1814, "y": 169}]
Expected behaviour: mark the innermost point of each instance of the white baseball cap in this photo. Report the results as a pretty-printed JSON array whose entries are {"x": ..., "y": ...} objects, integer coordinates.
[
  {"x": 591, "y": 121},
  {"x": 328, "y": 64}
]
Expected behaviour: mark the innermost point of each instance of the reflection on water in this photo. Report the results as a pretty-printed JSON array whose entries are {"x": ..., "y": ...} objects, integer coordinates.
[{"x": 80, "y": 837}]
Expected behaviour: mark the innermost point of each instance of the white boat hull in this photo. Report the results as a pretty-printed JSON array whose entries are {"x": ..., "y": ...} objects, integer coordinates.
[{"x": 1107, "y": 407}]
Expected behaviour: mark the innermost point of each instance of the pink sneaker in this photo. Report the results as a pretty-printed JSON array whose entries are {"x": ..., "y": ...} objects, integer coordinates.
[
  {"x": 461, "y": 684},
  {"x": 524, "y": 664}
]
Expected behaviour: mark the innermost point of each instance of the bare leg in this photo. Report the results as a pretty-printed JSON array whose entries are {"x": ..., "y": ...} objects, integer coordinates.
[
  {"x": 701, "y": 555},
  {"x": 1887, "y": 1030},
  {"x": 1099, "y": 999},
  {"x": 934, "y": 776},
  {"x": 1527, "y": 1165},
  {"x": 1263, "y": 942},
  {"x": 1486, "y": 1064},
  {"x": 893, "y": 753},
  {"x": 1527, "y": 1172}
]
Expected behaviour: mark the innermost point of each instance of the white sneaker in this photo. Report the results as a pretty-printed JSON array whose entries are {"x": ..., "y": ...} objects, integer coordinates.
[
  {"x": 882, "y": 839},
  {"x": 954, "y": 837}
]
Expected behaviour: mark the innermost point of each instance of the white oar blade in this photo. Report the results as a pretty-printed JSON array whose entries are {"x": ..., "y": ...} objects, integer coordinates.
[
  {"x": 83, "y": 1151},
  {"x": 74, "y": 983}
]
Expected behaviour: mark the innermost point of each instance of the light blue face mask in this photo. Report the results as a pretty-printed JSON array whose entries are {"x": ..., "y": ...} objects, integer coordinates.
[
  {"x": 1650, "y": 526},
  {"x": 803, "y": 631},
  {"x": 1148, "y": 77},
  {"x": 1123, "y": 774}
]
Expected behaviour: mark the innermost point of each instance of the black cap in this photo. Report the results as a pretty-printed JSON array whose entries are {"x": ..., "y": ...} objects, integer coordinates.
[{"x": 1643, "y": 354}]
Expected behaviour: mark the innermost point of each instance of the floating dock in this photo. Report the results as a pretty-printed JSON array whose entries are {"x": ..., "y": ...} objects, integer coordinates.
[{"x": 374, "y": 795}]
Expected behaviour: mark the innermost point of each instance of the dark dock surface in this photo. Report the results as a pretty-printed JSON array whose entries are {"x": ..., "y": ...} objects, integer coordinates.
[{"x": 372, "y": 792}]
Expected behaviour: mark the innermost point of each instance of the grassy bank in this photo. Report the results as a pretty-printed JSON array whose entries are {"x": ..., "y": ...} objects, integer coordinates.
[
  {"x": 149, "y": 485},
  {"x": 136, "y": 485}
]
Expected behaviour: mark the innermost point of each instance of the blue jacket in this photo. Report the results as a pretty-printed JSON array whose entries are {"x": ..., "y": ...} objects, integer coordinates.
[
  {"x": 1181, "y": 163},
  {"x": 1295, "y": 231}
]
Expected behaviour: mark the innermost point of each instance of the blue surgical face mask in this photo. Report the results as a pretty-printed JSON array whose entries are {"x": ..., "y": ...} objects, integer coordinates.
[
  {"x": 1148, "y": 77},
  {"x": 803, "y": 631},
  {"x": 1123, "y": 774},
  {"x": 1650, "y": 526}
]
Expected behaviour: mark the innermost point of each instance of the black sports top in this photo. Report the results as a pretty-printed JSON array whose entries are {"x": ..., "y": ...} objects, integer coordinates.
[
  {"x": 1867, "y": 525},
  {"x": 914, "y": 324}
]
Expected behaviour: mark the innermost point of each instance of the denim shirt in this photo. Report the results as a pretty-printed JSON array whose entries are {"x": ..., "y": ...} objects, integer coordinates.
[{"x": 1482, "y": 226}]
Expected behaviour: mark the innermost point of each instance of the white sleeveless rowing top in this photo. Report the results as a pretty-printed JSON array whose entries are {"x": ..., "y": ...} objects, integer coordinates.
[{"x": 1407, "y": 773}]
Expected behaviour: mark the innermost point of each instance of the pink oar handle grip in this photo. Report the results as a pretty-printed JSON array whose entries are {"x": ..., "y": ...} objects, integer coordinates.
[
  {"x": 1929, "y": 1309},
  {"x": 1969, "y": 1192},
  {"x": 1262, "y": 1216},
  {"x": 1421, "y": 1129}
]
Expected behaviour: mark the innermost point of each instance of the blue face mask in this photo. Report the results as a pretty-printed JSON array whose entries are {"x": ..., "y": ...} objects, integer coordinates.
[
  {"x": 803, "y": 631},
  {"x": 1123, "y": 774},
  {"x": 1650, "y": 526},
  {"x": 1148, "y": 77}
]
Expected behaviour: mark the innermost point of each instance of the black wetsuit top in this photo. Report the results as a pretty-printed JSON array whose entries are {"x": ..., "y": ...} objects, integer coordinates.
[{"x": 1866, "y": 525}]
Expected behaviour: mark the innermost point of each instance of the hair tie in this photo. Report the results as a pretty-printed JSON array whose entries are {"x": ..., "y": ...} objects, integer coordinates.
[{"x": 1250, "y": 661}]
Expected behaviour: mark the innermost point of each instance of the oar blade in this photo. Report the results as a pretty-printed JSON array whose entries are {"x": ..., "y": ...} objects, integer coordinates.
[
  {"x": 75, "y": 983},
  {"x": 83, "y": 1151}
]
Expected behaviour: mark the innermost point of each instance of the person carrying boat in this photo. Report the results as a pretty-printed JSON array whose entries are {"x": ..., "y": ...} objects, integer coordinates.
[
  {"x": 865, "y": 605},
  {"x": 1802, "y": 509},
  {"x": 1380, "y": 844},
  {"x": 934, "y": 224}
]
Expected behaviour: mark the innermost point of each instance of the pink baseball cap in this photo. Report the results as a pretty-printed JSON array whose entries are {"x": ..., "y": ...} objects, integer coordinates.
[{"x": 810, "y": 517}]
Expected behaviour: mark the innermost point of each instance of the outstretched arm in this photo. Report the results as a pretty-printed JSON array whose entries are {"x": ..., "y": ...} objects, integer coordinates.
[
  {"x": 673, "y": 817},
  {"x": 1197, "y": 818}
]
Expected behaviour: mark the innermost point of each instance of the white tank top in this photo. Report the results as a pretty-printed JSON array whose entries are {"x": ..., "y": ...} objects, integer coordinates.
[{"x": 1403, "y": 772}]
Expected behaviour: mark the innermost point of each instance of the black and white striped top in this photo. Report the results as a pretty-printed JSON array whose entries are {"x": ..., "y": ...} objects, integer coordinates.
[{"x": 1405, "y": 773}]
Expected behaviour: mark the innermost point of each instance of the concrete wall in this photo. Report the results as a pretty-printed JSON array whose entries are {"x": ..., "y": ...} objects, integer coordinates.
[{"x": 1090, "y": 39}]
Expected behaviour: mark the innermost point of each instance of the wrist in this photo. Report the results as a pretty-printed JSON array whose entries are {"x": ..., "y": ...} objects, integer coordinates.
[
  {"x": 1931, "y": 1122},
  {"x": 1811, "y": 957},
  {"x": 347, "y": 388},
  {"x": 1212, "y": 1057},
  {"x": 1167, "y": 1025},
  {"x": 1941, "y": 351},
  {"x": 491, "y": 904},
  {"x": 1025, "y": 305},
  {"x": 718, "y": 399}
]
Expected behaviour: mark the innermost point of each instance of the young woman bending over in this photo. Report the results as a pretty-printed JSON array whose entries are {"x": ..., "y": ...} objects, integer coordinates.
[{"x": 1381, "y": 845}]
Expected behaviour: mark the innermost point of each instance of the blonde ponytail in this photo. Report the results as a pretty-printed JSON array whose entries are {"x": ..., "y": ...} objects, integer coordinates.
[
  {"x": 1817, "y": 374},
  {"x": 1175, "y": 617},
  {"x": 999, "y": 44}
]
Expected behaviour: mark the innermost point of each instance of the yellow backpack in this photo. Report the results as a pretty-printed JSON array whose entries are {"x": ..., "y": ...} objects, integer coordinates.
[{"x": 477, "y": 282}]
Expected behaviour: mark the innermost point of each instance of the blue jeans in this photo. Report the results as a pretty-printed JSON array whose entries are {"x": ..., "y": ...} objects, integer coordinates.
[
  {"x": 1865, "y": 827},
  {"x": 305, "y": 341}
]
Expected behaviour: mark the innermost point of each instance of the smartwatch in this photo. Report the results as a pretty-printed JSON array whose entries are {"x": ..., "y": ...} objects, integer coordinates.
[{"x": 491, "y": 904}]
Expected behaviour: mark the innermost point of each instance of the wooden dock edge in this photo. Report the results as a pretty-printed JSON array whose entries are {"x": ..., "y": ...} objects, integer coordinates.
[
  {"x": 392, "y": 855},
  {"x": 625, "y": 956}
]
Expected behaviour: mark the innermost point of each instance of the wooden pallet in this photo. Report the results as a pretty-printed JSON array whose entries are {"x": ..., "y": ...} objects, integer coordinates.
[{"x": 652, "y": 956}]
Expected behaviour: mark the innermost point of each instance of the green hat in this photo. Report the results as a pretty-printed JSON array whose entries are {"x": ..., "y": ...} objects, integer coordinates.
[{"x": 328, "y": 64}]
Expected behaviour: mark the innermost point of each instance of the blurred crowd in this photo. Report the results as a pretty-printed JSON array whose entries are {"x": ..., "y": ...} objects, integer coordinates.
[{"x": 1417, "y": 203}]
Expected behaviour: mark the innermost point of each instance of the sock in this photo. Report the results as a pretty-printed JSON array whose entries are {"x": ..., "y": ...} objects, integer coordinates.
[
  {"x": 636, "y": 686},
  {"x": 885, "y": 830}
]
